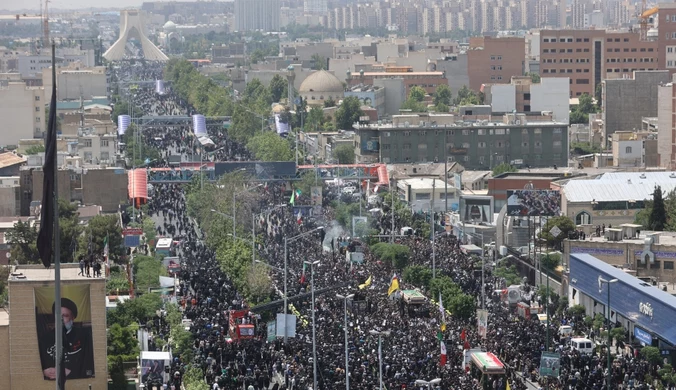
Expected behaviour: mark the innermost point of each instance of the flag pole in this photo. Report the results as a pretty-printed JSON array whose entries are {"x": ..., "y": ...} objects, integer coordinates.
[{"x": 58, "y": 322}]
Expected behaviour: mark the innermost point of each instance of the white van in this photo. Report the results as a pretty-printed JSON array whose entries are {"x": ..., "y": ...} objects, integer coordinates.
[{"x": 585, "y": 346}]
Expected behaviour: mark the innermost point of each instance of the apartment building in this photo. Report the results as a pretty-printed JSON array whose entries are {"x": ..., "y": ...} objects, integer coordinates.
[
  {"x": 426, "y": 80},
  {"x": 590, "y": 56},
  {"x": 260, "y": 15},
  {"x": 476, "y": 142},
  {"x": 76, "y": 81},
  {"x": 495, "y": 60},
  {"x": 23, "y": 111}
]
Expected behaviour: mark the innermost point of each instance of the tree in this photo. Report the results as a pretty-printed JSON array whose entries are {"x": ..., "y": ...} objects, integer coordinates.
[
  {"x": 35, "y": 149},
  {"x": 258, "y": 284},
  {"x": 122, "y": 342},
  {"x": 244, "y": 124},
  {"x": 441, "y": 108},
  {"x": 443, "y": 95},
  {"x": 257, "y": 56},
  {"x": 22, "y": 239},
  {"x": 586, "y": 104},
  {"x": 318, "y": 62},
  {"x": 417, "y": 93},
  {"x": 278, "y": 88},
  {"x": 465, "y": 97},
  {"x": 344, "y": 153},
  {"x": 658, "y": 215},
  {"x": 651, "y": 354},
  {"x": 578, "y": 117},
  {"x": 598, "y": 93},
  {"x": 503, "y": 168},
  {"x": 564, "y": 223},
  {"x": 315, "y": 118},
  {"x": 329, "y": 103},
  {"x": 348, "y": 113},
  {"x": 462, "y": 306},
  {"x": 413, "y": 105},
  {"x": 509, "y": 273},
  {"x": 550, "y": 261},
  {"x": 147, "y": 272},
  {"x": 234, "y": 257},
  {"x": 98, "y": 228},
  {"x": 395, "y": 254},
  {"x": 418, "y": 275},
  {"x": 269, "y": 146},
  {"x": 138, "y": 310},
  {"x": 534, "y": 77}
]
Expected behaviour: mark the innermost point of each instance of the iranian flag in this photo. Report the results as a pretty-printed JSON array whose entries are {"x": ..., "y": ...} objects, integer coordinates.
[
  {"x": 299, "y": 217},
  {"x": 302, "y": 276},
  {"x": 443, "y": 354}
]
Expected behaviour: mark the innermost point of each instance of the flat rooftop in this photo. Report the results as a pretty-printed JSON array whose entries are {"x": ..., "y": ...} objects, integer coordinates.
[
  {"x": 664, "y": 238},
  {"x": 38, "y": 273}
]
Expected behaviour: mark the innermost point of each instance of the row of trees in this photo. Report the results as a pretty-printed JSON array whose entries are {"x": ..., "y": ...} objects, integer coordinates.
[
  {"x": 659, "y": 213},
  {"x": 234, "y": 255},
  {"x": 76, "y": 240},
  {"x": 441, "y": 100}
]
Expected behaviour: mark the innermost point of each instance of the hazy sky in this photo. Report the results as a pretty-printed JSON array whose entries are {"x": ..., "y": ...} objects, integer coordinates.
[{"x": 69, "y": 4}]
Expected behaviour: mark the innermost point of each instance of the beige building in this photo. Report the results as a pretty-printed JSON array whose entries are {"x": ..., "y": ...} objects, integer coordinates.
[
  {"x": 621, "y": 247},
  {"x": 634, "y": 149},
  {"x": 321, "y": 86},
  {"x": 22, "y": 110},
  {"x": 19, "y": 346},
  {"x": 76, "y": 81},
  {"x": 423, "y": 194}
]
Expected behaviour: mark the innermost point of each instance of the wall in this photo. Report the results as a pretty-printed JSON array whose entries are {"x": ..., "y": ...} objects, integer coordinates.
[
  {"x": 104, "y": 187},
  {"x": 25, "y": 358},
  {"x": 10, "y": 201},
  {"x": 665, "y": 124},
  {"x": 395, "y": 94},
  {"x": 4, "y": 356},
  {"x": 626, "y": 101},
  {"x": 552, "y": 94},
  {"x": 503, "y": 98},
  {"x": 23, "y": 115},
  {"x": 456, "y": 71},
  {"x": 63, "y": 184},
  {"x": 495, "y": 60},
  {"x": 627, "y": 154}
]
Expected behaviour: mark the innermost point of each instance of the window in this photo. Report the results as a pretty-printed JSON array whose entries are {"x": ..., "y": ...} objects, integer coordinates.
[
  {"x": 627, "y": 149},
  {"x": 499, "y": 77},
  {"x": 465, "y": 132},
  {"x": 105, "y": 156},
  {"x": 655, "y": 265},
  {"x": 407, "y": 133},
  {"x": 406, "y": 146},
  {"x": 586, "y": 40},
  {"x": 492, "y": 67},
  {"x": 386, "y": 146},
  {"x": 526, "y": 96},
  {"x": 88, "y": 143},
  {"x": 524, "y": 144},
  {"x": 104, "y": 143},
  {"x": 492, "y": 58},
  {"x": 481, "y": 131},
  {"x": 546, "y": 40},
  {"x": 499, "y": 131},
  {"x": 668, "y": 265},
  {"x": 37, "y": 98},
  {"x": 482, "y": 145},
  {"x": 37, "y": 119},
  {"x": 556, "y": 144},
  {"x": 499, "y": 58},
  {"x": 37, "y": 109},
  {"x": 465, "y": 145},
  {"x": 582, "y": 81}
]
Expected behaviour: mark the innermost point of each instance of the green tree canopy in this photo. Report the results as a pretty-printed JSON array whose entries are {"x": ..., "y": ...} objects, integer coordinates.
[
  {"x": 658, "y": 215},
  {"x": 278, "y": 88},
  {"x": 564, "y": 223},
  {"x": 318, "y": 62},
  {"x": 147, "y": 271},
  {"x": 344, "y": 153},
  {"x": 35, "y": 149},
  {"x": 22, "y": 239},
  {"x": 97, "y": 229},
  {"x": 348, "y": 113},
  {"x": 417, "y": 275},
  {"x": 269, "y": 146},
  {"x": 442, "y": 95},
  {"x": 417, "y": 94},
  {"x": 466, "y": 97},
  {"x": 315, "y": 119},
  {"x": 395, "y": 254},
  {"x": 503, "y": 168}
]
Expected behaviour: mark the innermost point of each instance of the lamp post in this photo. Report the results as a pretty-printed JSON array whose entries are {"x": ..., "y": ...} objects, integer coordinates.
[
  {"x": 483, "y": 266},
  {"x": 608, "y": 283},
  {"x": 314, "y": 338},
  {"x": 380, "y": 335},
  {"x": 345, "y": 298},
  {"x": 286, "y": 273},
  {"x": 429, "y": 384}
]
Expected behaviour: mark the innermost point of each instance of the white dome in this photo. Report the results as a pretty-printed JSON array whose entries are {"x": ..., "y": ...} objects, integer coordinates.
[
  {"x": 321, "y": 81},
  {"x": 169, "y": 26}
]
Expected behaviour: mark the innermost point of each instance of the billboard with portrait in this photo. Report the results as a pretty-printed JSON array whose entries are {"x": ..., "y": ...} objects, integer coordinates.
[
  {"x": 550, "y": 364},
  {"x": 152, "y": 366},
  {"x": 77, "y": 320},
  {"x": 546, "y": 203},
  {"x": 476, "y": 208}
]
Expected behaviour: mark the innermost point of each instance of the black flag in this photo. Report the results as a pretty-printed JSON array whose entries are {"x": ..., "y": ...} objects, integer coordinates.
[{"x": 46, "y": 235}]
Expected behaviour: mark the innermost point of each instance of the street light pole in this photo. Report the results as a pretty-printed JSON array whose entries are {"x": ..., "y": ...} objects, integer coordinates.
[
  {"x": 314, "y": 338},
  {"x": 380, "y": 335},
  {"x": 253, "y": 238},
  {"x": 347, "y": 351},
  {"x": 608, "y": 283},
  {"x": 286, "y": 273}
]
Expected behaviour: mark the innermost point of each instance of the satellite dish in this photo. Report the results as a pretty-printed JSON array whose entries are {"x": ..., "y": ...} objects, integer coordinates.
[{"x": 8, "y": 254}]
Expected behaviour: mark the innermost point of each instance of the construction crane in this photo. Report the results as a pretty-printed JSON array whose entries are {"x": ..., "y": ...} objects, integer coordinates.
[
  {"x": 645, "y": 16},
  {"x": 45, "y": 25}
]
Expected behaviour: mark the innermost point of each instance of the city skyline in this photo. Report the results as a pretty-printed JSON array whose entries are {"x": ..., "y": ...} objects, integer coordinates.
[{"x": 34, "y": 5}]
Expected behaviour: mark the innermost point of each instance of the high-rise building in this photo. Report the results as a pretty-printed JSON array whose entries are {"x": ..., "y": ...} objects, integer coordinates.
[
  {"x": 590, "y": 56},
  {"x": 315, "y": 7},
  {"x": 495, "y": 60},
  {"x": 262, "y": 15}
]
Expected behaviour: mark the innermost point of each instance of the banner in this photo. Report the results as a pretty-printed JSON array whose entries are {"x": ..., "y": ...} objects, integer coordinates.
[
  {"x": 152, "y": 366},
  {"x": 550, "y": 364},
  {"x": 544, "y": 203},
  {"x": 77, "y": 319},
  {"x": 476, "y": 208},
  {"x": 482, "y": 322},
  {"x": 272, "y": 331},
  {"x": 316, "y": 195}
]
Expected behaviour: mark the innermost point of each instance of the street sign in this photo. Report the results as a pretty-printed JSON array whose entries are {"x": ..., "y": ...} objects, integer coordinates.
[
  {"x": 555, "y": 231},
  {"x": 132, "y": 241},
  {"x": 132, "y": 232}
]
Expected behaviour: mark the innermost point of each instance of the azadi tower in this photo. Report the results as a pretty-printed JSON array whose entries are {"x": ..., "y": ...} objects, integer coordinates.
[{"x": 131, "y": 26}]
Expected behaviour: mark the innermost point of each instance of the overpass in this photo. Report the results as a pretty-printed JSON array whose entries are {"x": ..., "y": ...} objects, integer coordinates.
[{"x": 351, "y": 171}]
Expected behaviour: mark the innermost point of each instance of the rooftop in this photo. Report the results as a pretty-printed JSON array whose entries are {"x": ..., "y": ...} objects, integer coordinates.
[
  {"x": 619, "y": 186},
  {"x": 38, "y": 273},
  {"x": 422, "y": 183},
  {"x": 400, "y": 74},
  {"x": 8, "y": 159}
]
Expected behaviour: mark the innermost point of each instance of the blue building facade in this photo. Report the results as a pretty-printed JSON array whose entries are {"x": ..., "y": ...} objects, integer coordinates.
[{"x": 646, "y": 311}]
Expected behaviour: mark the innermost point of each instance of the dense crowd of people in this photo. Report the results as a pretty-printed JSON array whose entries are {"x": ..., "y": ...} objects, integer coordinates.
[{"x": 410, "y": 352}]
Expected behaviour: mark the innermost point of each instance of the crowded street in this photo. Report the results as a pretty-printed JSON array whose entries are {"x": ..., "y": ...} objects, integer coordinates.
[{"x": 410, "y": 337}]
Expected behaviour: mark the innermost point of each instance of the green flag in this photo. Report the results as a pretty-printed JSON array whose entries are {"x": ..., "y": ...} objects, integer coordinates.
[{"x": 293, "y": 198}]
